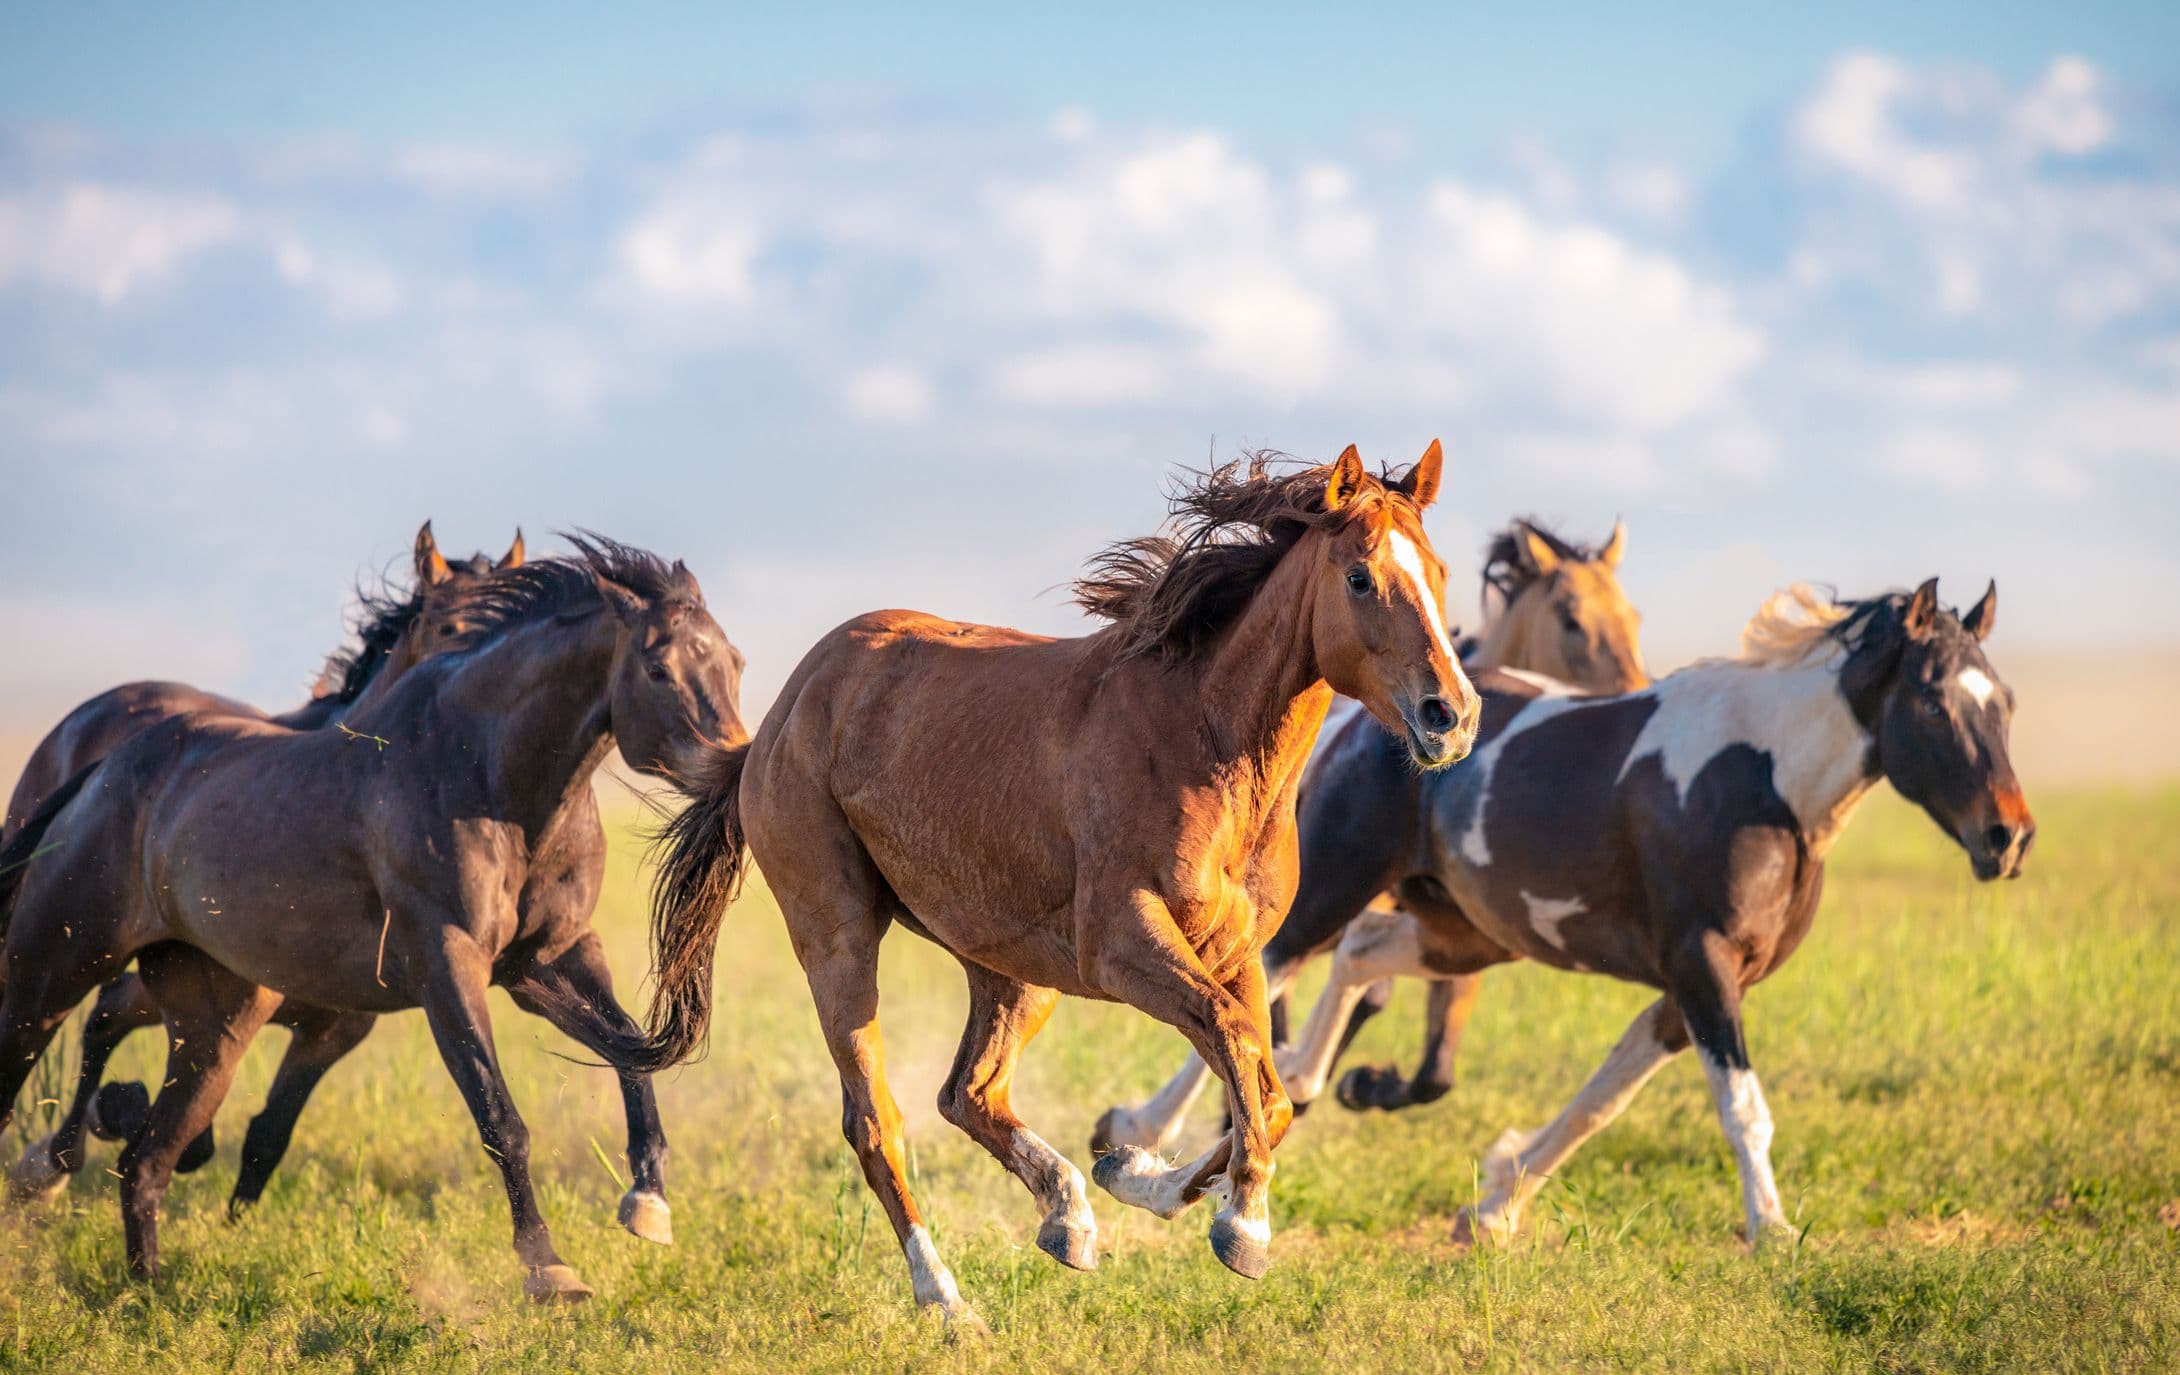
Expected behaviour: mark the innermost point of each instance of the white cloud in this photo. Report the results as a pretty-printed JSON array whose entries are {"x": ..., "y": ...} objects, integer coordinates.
[
  {"x": 890, "y": 394},
  {"x": 1649, "y": 190},
  {"x": 107, "y": 241},
  {"x": 473, "y": 169}
]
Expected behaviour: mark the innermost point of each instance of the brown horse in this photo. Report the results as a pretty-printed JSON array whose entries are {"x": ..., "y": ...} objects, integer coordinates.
[
  {"x": 394, "y": 630},
  {"x": 1110, "y": 817},
  {"x": 388, "y": 867},
  {"x": 1553, "y": 607}
]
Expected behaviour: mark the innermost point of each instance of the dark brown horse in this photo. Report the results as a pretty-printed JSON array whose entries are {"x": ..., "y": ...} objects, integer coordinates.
[
  {"x": 1110, "y": 817},
  {"x": 1675, "y": 837},
  {"x": 388, "y": 867},
  {"x": 1552, "y": 607},
  {"x": 394, "y": 630}
]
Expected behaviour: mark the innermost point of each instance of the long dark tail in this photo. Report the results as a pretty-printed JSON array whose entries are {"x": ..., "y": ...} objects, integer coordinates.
[
  {"x": 704, "y": 858},
  {"x": 28, "y": 843}
]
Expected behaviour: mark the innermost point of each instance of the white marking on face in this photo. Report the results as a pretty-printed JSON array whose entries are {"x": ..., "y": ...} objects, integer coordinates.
[
  {"x": 1409, "y": 560},
  {"x": 1977, "y": 684},
  {"x": 1546, "y": 915}
]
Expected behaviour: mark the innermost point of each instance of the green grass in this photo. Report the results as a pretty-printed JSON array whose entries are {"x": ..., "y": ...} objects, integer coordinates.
[{"x": 1977, "y": 1091}]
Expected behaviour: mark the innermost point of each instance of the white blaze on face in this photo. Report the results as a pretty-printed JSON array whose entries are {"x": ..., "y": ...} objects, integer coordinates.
[
  {"x": 1977, "y": 684},
  {"x": 1409, "y": 560}
]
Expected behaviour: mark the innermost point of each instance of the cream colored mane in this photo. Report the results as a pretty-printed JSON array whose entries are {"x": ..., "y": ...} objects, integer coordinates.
[{"x": 1793, "y": 627}]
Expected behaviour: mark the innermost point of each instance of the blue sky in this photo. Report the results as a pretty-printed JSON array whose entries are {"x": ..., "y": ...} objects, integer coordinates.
[{"x": 853, "y": 306}]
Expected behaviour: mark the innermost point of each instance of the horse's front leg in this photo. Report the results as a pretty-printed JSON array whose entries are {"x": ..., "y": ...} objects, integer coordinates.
[
  {"x": 1706, "y": 985},
  {"x": 1142, "y": 958},
  {"x": 448, "y": 972},
  {"x": 574, "y": 992}
]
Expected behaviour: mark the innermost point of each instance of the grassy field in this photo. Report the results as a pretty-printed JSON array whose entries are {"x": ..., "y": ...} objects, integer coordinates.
[{"x": 1978, "y": 1095}]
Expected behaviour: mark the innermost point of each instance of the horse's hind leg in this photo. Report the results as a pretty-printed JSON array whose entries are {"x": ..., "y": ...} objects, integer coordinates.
[
  {"x": 122, "y": 1006},
  {"x": 212, "y": 1016},
  {"x": 321, "y": 1039},
  {"x": 1003, "y": 1015},
  {"x": 456, "y": 974},
  {"x": 575, "y": 993}
]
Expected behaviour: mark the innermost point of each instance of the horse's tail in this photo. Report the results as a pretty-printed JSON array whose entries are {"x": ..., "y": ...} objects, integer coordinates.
[
  {"x": 705, "y": 858},
  {"x": 28, "y": 843}
]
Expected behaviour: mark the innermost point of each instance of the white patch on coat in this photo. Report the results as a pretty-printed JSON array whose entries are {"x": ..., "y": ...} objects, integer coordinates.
[
  {"x": 934, "y": 1283},
  {"x": 1746, "y": 1118},
  {"x": 1471, "y": 845},
  {"x": 1977, "y": 684},
  {"x": 1545, "y": 684},
  {"x": 1546, "y": 914},
  {"x": 1796, "y": 715}
]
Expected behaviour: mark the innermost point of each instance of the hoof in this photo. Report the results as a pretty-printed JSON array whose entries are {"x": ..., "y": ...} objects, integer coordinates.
[
  {"x": 197, "y": 1154},
  {"x": 1242, "y": 1246},
  {"x": 37, "y": 1177},
  {"x": 1116, "y": 1163},
  {"x": 119, "y": 1111},
  {"x": 963, "y": 1324},
  {"x": 1102, "y": 1142},
  {"x": 646, "y": 1215},
  {"x": 1470, "y": 1230},
  {"x": 554, "y": 1284},
  {"x": 1074, "y": 1247},
  {"x": 1369, "y": 1086},
  {"x": 239, "y": 1207}
]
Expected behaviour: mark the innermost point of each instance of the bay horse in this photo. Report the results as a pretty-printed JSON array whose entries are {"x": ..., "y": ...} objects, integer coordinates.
[
  {"x": 1552, "y": 607},
  {"x": 1110, "y": 816},
  {"x": 1676, "y": 837},
  {"x": 394, "y": 629},
  {"x": 380, "y": 869}
]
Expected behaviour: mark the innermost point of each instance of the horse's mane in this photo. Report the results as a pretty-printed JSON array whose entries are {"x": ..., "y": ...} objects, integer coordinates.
[
  {"x": 382, "y": 615},
  {"x": 559, "y": 586},
  {"x": 1506, "y": 565},
  {"x": 1799, "y": 623},
  {"x": 1169, "y": 594}
]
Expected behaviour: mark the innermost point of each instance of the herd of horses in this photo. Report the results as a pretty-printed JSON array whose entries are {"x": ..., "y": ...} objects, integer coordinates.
[{"x": 1257, "y": 759}]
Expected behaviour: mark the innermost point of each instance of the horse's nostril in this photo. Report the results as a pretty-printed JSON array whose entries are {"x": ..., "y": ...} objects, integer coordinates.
[
  {"x": 1437, "y": 716},
  {"x": 1999, "y": 838}
]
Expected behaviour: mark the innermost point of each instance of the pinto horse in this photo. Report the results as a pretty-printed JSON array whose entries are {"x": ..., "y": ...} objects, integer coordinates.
[
  {"x": 383, "y": 868},
  {"x": 1119, "y": 824},
  {"x": 1554, "y": 607},
  {"x": 1676, "y": 837},
  {"x": 394, "y": 631}
]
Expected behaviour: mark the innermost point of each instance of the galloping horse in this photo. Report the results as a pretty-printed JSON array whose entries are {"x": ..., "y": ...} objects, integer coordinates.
[
  {"x": 1554, "y": 608},
  {"x": 395, "y": 867},
  {"x": 1676, "y": 837},
  {"x": 1110, "y": 817},
  {"x": 394, "y": 631}
]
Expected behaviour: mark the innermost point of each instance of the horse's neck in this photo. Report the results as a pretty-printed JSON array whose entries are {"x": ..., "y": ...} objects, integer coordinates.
[
  {"x": 538, "y": 697},
  {"x": 1262, "y": 692},
  {"x": 1820, "y": 754},
  {"x": 315, "y": 714}
]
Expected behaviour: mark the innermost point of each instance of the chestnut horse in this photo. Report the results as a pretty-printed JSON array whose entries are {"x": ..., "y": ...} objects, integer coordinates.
[
  {"x": 1110, "y": 817},
  {"x": 394, "y": 630},
  {"x": 1676, "y": 837},
  {"x": 1553, "y": 607},
  {"x": 383, "y": 868}
]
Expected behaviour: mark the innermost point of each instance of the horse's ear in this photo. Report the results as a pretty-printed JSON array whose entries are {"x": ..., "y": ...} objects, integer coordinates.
[
  {"x": 626, "y": 604},
  {"x": 1921, "y": 616},
  {"x": 1541, "y": 556},
  {"x": 431, "y": 565},
  {"x": 514, "y": 555},
  {"x": 1984, "y": 614},
  {"x": 1421, "y": 484},
  {"x": 684, "y": 582},
  {"x": 1345, "y": 480},
  {"x": 1615, "y": 547}
]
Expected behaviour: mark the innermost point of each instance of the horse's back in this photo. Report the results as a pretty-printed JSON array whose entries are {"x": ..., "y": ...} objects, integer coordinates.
[{"x": 95, "y": 728}]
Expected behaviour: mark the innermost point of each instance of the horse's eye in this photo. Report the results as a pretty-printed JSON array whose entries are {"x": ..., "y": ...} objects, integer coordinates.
[
  {"x": 1569, "y": 624},
  {"x": 1932, "y": 707},
  {"x": 656, "y": 671},
  {"x": 1358, "y": 581}
]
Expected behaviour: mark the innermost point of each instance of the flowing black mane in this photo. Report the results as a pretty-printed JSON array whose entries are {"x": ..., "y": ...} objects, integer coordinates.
[
  {"x": 1507, "y": 570},
  {"x": 1170, "y": 594},
  {"x": 564, "y": 586},
  {"x": 382, "y": 616}
]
